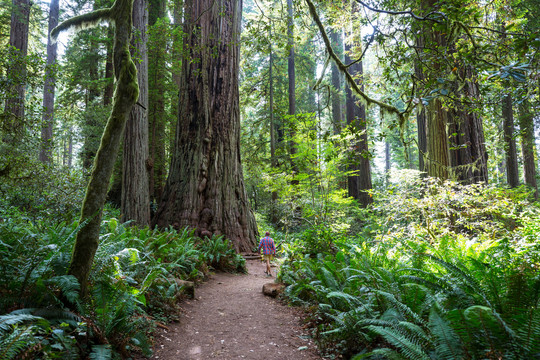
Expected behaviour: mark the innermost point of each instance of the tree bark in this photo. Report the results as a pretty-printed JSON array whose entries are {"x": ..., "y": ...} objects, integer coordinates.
[
  {"x": 512, "y": 173},
  {"x": 18, "y": 40},
  {"x": 421, "y": 115},
  {"x": 337, "y": 83},
  {"x": 468, "y": 151},
  {"x": 360, "y": 182},
  {"x": 125, "y": 96},
  {"x": 273, "y": 159},
  {"x": 205, "y": 188},
  {"x": 45, "y": 154},
  {"x": 135, "y": 190},
  {"x": 526, "y": 125},
  {"x": 156, "y": 98},
  {"x": 291, "y": 72}
]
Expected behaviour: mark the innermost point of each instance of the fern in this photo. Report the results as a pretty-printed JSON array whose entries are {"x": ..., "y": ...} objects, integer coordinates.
[
  {"x": 411, "y": 350},
  {"x": 7, "y": 321},
  {"x": 101, "y": 352},
  {"x": 19, "y": 339},
  {"x": 447, "y": 344}
]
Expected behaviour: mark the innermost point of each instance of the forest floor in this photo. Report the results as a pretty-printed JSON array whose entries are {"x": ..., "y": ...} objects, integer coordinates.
[{"x": 230, "y": 318}]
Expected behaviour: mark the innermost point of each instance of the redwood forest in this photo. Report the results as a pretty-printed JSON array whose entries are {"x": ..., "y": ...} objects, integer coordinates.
[{"x": 388, "y": 147}]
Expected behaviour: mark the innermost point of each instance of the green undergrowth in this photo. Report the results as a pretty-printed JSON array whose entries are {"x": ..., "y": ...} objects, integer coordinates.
[
  {"x": 440, "y": 271},
  {"x": 132, "y": 287}
]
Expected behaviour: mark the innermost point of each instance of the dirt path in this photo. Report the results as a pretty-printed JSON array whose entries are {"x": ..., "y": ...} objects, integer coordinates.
[{"x": 230, "y": 318}]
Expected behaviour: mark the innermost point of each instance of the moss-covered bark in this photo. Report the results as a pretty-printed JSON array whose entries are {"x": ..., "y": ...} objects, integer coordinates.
[{"x": 125, "y": 96}]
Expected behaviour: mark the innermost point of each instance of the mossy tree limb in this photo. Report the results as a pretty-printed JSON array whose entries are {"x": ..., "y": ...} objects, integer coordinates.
[
  {"x": 366, "y": 99},
  {"x": 125, "y": 96}
]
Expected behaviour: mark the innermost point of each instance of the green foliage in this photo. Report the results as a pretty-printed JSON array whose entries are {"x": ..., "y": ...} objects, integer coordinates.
[
  {"x": 132, "y": 286},
  {"x": 443, "y": 275}
]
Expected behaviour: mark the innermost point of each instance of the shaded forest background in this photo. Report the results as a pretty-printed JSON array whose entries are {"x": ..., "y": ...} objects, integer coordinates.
[{"x": 390, "y": 146}]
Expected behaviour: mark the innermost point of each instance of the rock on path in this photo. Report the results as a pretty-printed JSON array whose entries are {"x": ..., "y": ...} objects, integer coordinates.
[{"x": 230, "y": 318}]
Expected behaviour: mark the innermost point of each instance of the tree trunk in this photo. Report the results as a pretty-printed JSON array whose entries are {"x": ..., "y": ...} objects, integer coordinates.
[
  {"x": 156, "y": 98},
  {"x": 421, "y": 115},
  {"x": 468, "y": 152},
  {"x": 273, "y": 159},
  {"x": 109, "y": 87},
  {"x": 292, "y": 86},
  {"x": 18, "y": 40},
  {"x": 125, "y": 96},
  {"x": 337, "y": 117},
  {"x": 527, "y": 145},
  {"x": 205, "y": 188},
  {"x": 45, "y": 154},
  {"x": 358, "y": 183},
  {"x": 512, "y": 173},
  {"x": 135, "y": 189}
]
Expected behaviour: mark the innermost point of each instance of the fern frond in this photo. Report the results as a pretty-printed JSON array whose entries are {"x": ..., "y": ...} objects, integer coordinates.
[
  {"x": 101, "y": 352},
  {"x": 402, "y": 308},
  {"x": 406, "y": 347},
  {"x": 12, "y": 344},
  {"x": 447, "y": 344},
  {"x": 14, "y": 318}
]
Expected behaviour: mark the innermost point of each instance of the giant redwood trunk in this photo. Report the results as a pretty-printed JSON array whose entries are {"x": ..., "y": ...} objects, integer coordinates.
[
  {"x": 526, "y": 126},
  {"x": 135, "y": 202},
  {"x": 205, "y": 188},
  {"x": 512, "y": 172}
]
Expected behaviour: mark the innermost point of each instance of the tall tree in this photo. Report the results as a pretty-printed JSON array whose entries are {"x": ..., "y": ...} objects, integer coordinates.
[
  {"x": 205, "y": 187},
  {"x": 125, "y": 96},
  {"x": 526, "y": 126},
  {"x": 291, "y": 72},
  {"x": 49, "y": 88},
  {"x": 512, "y": 172},
  {"x": 18, "y": 40},
  {"x": 359, "y": 182},
  {"x": 135, "y": 202},
  {"x": 157, "y": 74},
  {"x": 336, "y": 37}
]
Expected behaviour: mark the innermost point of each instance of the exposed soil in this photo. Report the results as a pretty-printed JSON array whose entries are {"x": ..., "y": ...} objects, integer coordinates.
[{"x": 230, "y": 318}]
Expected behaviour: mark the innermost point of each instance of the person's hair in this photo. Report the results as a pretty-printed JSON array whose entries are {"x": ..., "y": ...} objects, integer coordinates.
[{"x": 267, "y": 233}]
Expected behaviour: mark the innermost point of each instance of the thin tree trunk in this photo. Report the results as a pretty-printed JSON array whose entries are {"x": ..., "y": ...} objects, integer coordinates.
[
  {"x": 526, "y": 125},
  {"x": 337, "y": 83},
  {"x": 512, "y": 172},
  {"x": 135, "y": 189},
  {"x": 109, "y": 87},
  {"x": 45, "y": 154},
  {"x": 292, "y": 87},
  {"x": 359, "y": 183},
  {"x": 156, "y": 99},
  {"x": 273, "y": 160},
  {"x": 205, "y": 188},
  {"x": 18, "y": 40}
]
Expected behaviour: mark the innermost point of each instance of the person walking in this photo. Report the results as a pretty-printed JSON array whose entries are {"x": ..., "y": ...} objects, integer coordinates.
[{"x": 269, "y": 250}]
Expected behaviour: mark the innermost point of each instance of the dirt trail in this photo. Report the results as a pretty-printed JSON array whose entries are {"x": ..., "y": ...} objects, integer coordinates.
[{"x": 230, "y": 318}]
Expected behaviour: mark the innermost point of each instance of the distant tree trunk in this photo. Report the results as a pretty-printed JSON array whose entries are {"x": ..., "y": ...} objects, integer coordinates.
[
  {"x": 273, "y": 160},
  {"x": 45, "y": 154},
  {"x": 359, "y": 183},
  {"x": 337, "y": 83},
  {"x": 387, "y": 161},
  {"x": 512, "y": 172},
  {"x": 468, "y": 154},
  {"x": 135, "y": 189},
  {"x": 421, "y": 115},
  {"x": 156, "y": 98},
  {"x": 526, "y": 125},
  {"x": 205, "y": 188},
  {"x": 126, "y": 94},
  {"x": 292, "y": 84},
  {"x": 109, "y": 87},
  {"x": 18, "y": 40}
]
